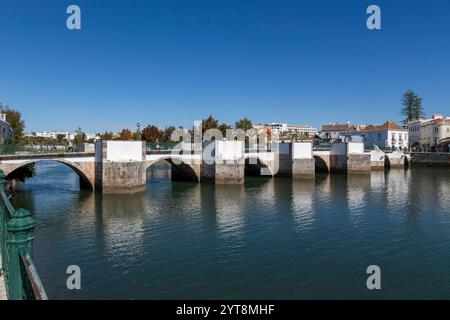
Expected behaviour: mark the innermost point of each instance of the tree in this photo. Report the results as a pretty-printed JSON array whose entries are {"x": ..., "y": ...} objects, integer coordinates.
[
  {"x": 223, "y": 129},
  {"x": 60, "y": 137},
  {"x": 106, "y": 135},
  {"x": 412, "y": 107},
  {"x": 126, "y": 134},
  {"x": 167, "y": 133},
  {"x": 22, "y": 173},
  {"x": 210, "y": 123},
  {"x": 244, "y": 124},
  {"x": 80, "y": 137},
  {"x": 151, "y": 133},
  {"x": 14, "y": 118}
]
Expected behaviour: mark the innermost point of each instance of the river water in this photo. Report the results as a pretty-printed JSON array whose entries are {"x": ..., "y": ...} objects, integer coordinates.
[{"x": 269, "y": 238}]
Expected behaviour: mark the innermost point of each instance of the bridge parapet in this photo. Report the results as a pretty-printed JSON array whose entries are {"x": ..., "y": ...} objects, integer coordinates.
[
  {"x": 120, "y": 166},
  {"x": 16, "y": 245}
]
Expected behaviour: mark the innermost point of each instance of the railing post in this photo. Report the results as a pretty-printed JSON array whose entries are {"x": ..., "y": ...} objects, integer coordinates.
[{"x": 20, "y": 241}]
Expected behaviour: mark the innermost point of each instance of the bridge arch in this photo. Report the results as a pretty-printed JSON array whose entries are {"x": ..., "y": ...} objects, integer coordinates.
[
  {"x": 387, "y": 162},
  {"x": 406, "y": 162},
  {"x": 180, "y": 171},
  {"x": 396, "y": 159},
  {"x": 444, "y": 145},
  {"x": 321, "y": 165},
  {"x": 254, "y": 165},
  {"x": 87, "y": 180}
]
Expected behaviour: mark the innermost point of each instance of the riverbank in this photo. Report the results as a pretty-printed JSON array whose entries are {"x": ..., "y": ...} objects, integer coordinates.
[{"x": 438, "y": 159}]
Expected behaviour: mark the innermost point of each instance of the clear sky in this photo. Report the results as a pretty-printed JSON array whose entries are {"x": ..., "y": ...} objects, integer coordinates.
[{"x": 172, "y": 62}]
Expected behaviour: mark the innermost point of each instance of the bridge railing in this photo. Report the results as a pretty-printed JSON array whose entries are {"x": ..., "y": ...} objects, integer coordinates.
[
  {"x": 322, "y": 147},
  {"x": 164, "y": 147},
  {"x": 16, "y": 245},
  {"x": 384, "y": 149},
  {"x": 39, "y": 149},
  {"x": 161, "y": 146}
]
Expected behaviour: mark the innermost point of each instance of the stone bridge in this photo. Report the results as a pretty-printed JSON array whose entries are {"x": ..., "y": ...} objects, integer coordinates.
[{"x": 121, "y": 166}]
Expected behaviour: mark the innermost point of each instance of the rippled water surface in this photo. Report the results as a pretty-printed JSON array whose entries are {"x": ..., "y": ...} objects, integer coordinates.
[{"x": 269, "y": 238}]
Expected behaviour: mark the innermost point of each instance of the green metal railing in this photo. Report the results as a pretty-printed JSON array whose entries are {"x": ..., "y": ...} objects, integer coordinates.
[
  {"x": 168, "y": 146},
  {"x": 322, "y": 147},
  {"x": 23, "y": 149},
  {"x": 161, "y": 146},
  {"x": 16, "y": 249},
  {"x": 384, "y": 149}
]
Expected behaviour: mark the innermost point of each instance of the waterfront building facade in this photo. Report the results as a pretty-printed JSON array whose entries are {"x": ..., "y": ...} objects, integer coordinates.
[
  {"x": 388, "y": 136},
  {"x": 287, "y": 132},
  {"x": 294, "y": 129},
  {"x": 338, "y": 132},
  {"x": 430, "y": 135},
  {"x": 69, "y": 136}
]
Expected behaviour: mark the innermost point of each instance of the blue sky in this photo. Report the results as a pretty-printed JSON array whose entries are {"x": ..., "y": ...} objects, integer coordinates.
[{"x": 173, "y": 62}]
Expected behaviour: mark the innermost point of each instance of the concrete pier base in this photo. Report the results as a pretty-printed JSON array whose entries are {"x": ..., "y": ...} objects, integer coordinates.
[
  {"x": 284, "y": 161},
  {"x": 121, "y": 177},
  {"x": 358, "y": 164},
  {"x": 223, "y": 162},
  {"x": 303, "y": 162},
  {"x": 227, "y": 173},
  {"x": 303, "y": 168},
  {"x": 120, "y": 166},
  {"x": 338, "y": 163},
  {"x": 296, "y": 160},
  {"x": 230, "y": 173},
  {"x": 349, "y": 157},
  {"x": 377, "y": 160}
]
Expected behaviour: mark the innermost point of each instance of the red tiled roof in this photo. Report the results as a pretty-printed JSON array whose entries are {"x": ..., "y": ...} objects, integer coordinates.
[
  {"x": 437, "y": 121},
  {"x": 388, "y": 125},
  {"x": 335, "y": 127}
]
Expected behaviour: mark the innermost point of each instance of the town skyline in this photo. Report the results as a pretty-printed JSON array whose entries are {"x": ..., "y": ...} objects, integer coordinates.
[
  {"x": 170, "y": 64},
  {"x": 133, "y": 127}
]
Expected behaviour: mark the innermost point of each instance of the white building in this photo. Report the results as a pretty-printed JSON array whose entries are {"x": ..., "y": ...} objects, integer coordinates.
[
  {"x": 388, "y": 135},
  {"x": 430, "y": 134},
  {"x": 65, "y": 134},
  {"x": 295, "y": 129},
  {"x": 414, "y": 132},
  {"x": 5, "y": 128},
  {"x": 337, "y": 132}
]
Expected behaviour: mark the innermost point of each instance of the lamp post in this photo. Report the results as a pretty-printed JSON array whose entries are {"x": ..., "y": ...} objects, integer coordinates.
[{"x": 138, "y": 132}]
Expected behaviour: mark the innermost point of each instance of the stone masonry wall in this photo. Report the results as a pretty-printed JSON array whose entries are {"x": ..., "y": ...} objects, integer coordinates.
[
  {"x": 303, "y": 168},
  {"x": 358, "y": 163}
]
